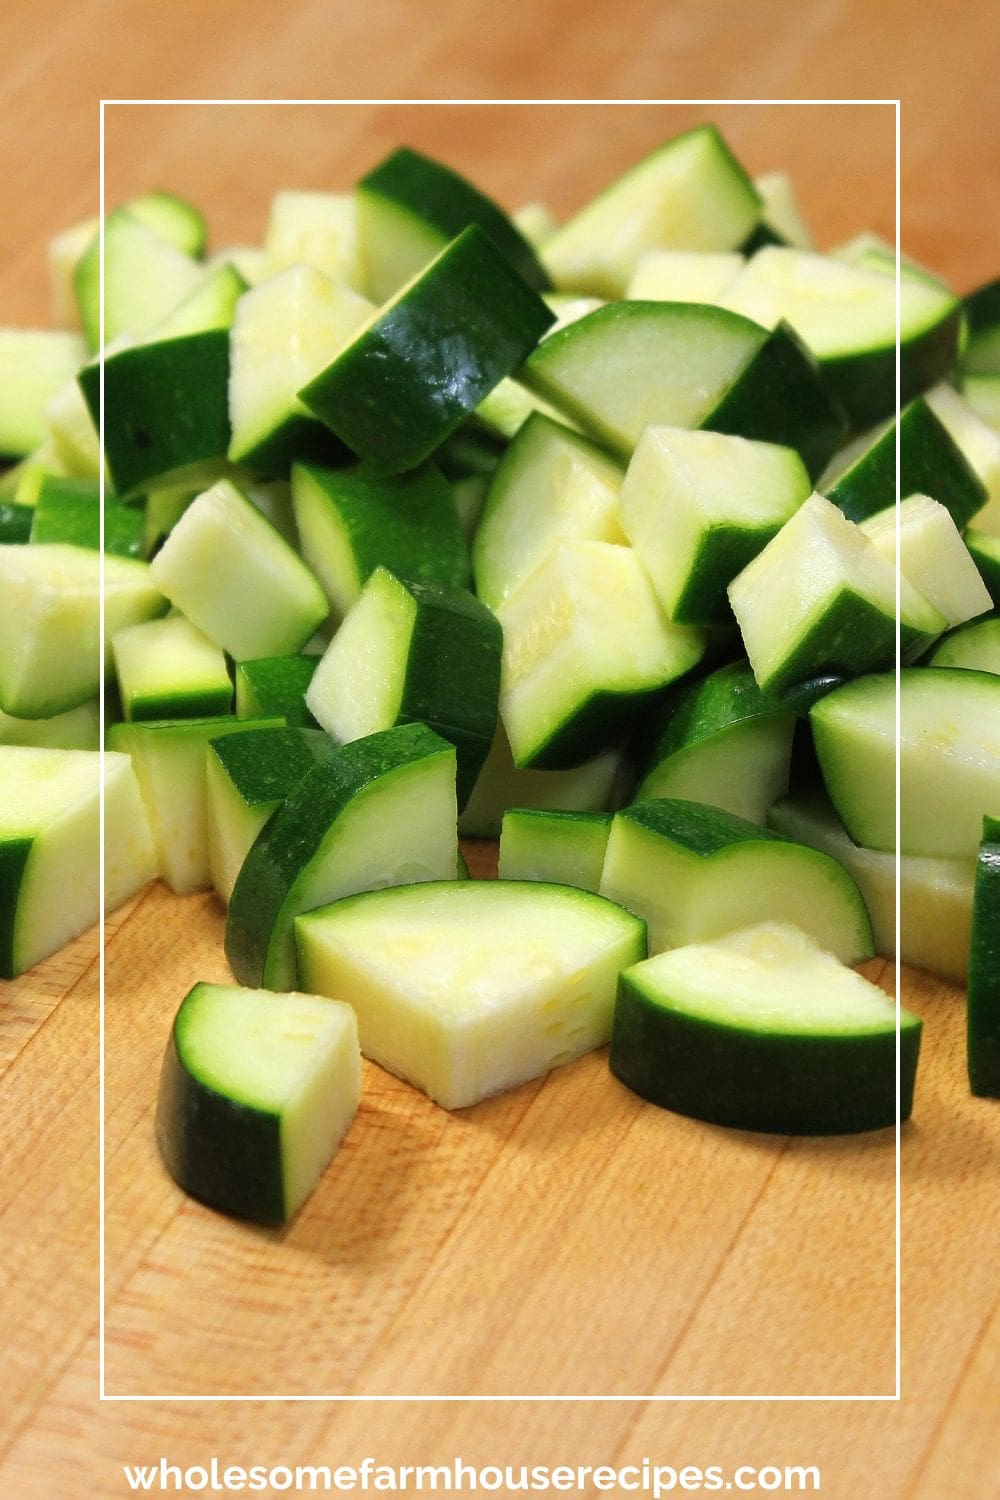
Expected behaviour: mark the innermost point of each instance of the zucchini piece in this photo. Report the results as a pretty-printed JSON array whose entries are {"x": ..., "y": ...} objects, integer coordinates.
[
  {"x": 984, "y": 549},
  {"x": 681, "y": 364},
  {"x": 50, "y": 888},
  {"x": 275, "y": 685},
  {"x": 550, "y": 485},
  {"x": 975, "y": 648},
  {"x": 410, "y": 206},
  {"x": 174, "y": 219},
  {"x": 145, "y": 277},
  {"x": 981, "y": 355},
  {"x": 982, "y": 392},
  {"x": 319, "y": 230},
  {"x": 377, "y": 812},
  {"x": 168, "y": 669},
  {"x": 285, "y": 332},
  {"x": 65, "y": 250},
  {"x": 689, "y": 194},
  {"x": 588, "y": 788},
  {"x": 349, "y": 521},
  {"x": 69, "y": 510},
  {"x": 166, "y": 414},
  {"x": 469, "y": 495},
  {"x": 935, "y": 914},
  {"x": 949, "y": 771},
  {"x": 169, "y": 756},
  {"x": 847, "y": 316},
  {"x": 429, "y": 356},
  {"x": 585, "y": 648},
  {"x": 164, "y": 508},
  {"x": 694, "y": 873},
  {"x": 763, "y": 1031},
  {"x": 978, "y": 442},
  {"x": 820, "y": 600},
  {"x": 781, "y": 215},
  {"x": 724, "y": 742},
  {"x": 248, "y": 776},
  {"x": 682, "y": 276},
  {"x": 211, "y": 305},
  {"x": 223, "y": 554},
  {"x": 257, "y": 1091},
  {"x": 535, "y": 223},
  {"x": 15, "y": 523},
  {"x": 698, "y": 506},
  {"x": 861, "y": 480},
  {"x": 983, "y": 1026},
  {"x": 413, "y": 653},
  {"x": 77, "y": 729},
  {"x": 932, "y": 556},
  {"x": 34, "y": 365},
  {"x": 467, "y": 988},
  {"x": 50, "y": 609},
  {"x": 557, "y": 848},
  {"x": 72, "y": 432}
]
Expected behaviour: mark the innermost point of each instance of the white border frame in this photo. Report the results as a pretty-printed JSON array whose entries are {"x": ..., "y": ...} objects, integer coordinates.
[{"x": 104, "y": 1395}]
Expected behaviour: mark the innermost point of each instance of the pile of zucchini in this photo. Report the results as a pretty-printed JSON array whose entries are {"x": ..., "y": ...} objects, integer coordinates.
[{"x": 422, "y": 520}]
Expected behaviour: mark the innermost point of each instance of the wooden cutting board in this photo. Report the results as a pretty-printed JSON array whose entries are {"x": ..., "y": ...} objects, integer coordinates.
[{"x": 564, "y": 1239}]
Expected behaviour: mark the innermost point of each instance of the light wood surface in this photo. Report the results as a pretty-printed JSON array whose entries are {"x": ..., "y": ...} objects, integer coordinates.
[{"x": 564, "y": 1239}]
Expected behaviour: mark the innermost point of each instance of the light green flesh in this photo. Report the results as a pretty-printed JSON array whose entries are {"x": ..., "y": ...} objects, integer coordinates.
[
  {"x": 50, "y": 607},
  {"x": 171, "y": 218},
  {"x": 325, "y": 543},
  {"x": 291, "y": 1055},
  {"x": 315, "y": 229},
  {"x": 982, "y": 392},
  {"x": 556, "y": 848},
  {"x": 285, "y": 332},
  {"x": 682, "y": 276},
  {"x": 231, "y": 573},
  {"x": 170, "y": 762},
  {"x": 935, "y": 919},
  {"x": 53, "y": 797},
  {"x": 949, "y": 759},
  {"x": 357, "y": 688},
  {"x": 232, "y": 828},
  {"x": 680, "y": 486},
  {"x": 932, "y": 556},
  {"x": 976, "y": 648},
  {"x": 72, "y": 431},
  {"x": 686, "y": 898},
  {"x": 551, "y": 486},
  {"x": 500, "y": 785},
  {"x": 77, "y": 729},
  {"x": 768, "y": 978},
  {"x": 65, "y": 250},
  {"x": 535, "y": 222},
  {"x": 782, "y": 595},
  {"x": 836, "y": 308},
  {"x": 396, "y": 245},
  {"x": 585, "y": 620},
  {"x": 978, "y": 441},
  {"x": 472, "y": 987},
  {"x": 36, "y": 364},
  {"x": 211, "y": 305},
  {"x": 781, "y": 209},
  {"x": 688, "y": 195},
  {"x": 144, "y": 280},
  {"x": 163, "y": 659},
  {"x": 743, "y": 770}
]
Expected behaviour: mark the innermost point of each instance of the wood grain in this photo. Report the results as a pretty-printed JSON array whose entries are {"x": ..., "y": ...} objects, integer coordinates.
[{"x": 564, "y": 1238}]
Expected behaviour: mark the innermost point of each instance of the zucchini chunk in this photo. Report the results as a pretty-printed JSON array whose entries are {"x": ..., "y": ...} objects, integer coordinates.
[
  {"x": 34, "y": 365},
  {"x": 69, "y": 510},
  {"x": 429, "y": 356},
  {"x": 982, "y": 392},
  {"x": 981, "y": 355},
  {"x": 763, "y": 1031},
  {"x": 409, "y": 207},
  {"x": 350, "y": 521},
  {"x": 820, "y": 600},
  {"x": 698, "y": 506},
  {"x": 173, "y": 218},
  {"x": 77, "y": 729},
  {"x": 320, "y": 230},
  {"x": 377, "y": 812},
  {"x": 985, "y": 551},
  {"x": 689, "y": 194},
  {"x": 212, "y": 305},
  {"x": 275, "y": 685},
  {"x": 50, "y": 889},
  {"x": 932, "y": 557},
  {"x": 682, "y": 276},
  {"x": 413, "y": 653},
  {"x": 72, "y": 432},
  {"x": 935, "y": 914},
  {"x": 248, "y": 776},
  {"x": 235, "y": 577},
  {"x": 550, "y": 485},
  {"x": 781, "y": 216},
  {"x": 723, "y": 742},
  {"x": 557, "y": 848},
  {"x": 50, "y": 609},
  {"x": 949, "y": 769},
  {"x": 168, "y": 669},
  {"x": 694, "y": 873},
  {"x": 983, "y": 1029},
  {"x": 978, "y": 442},
  {"x": 65, "y": 250},
  {"x": 585, "y": 647},
  {"x": 467, "y": 988},
  {"x": 257, "y": 1091},
  {"x": 975, "y": 647},
  {"x": 145, "y": 277},
  {"x": 169, "y": 759},
  {"x": 589, "y": 787}
]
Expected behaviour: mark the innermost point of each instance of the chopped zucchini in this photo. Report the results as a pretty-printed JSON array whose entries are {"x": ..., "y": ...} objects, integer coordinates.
[
  {"x": 557, "y": 848},
  {"x": 168, "y": 669},
  {"x": 34, "y": 365},
  {"x": 320, "y": 230},
  {"x": 984, "y": 969},
  {"x": 145, "y": 277},
  {"x": 682, "y": 276},
  {"x": 275, "y": 685},
  {"x": 932, "y": 556},
  {"x": 69, "y": 510},
  {"x": 590, "y": 787},
  {"x": 975, "y": 647}
]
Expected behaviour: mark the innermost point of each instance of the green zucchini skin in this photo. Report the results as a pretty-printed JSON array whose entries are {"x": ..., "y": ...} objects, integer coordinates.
[
  {"x": 221, "y": 1151},
  {"x": 865, "y": 383},
  {"x": 783, "y": 397},
  {"x": 15, "y": 522},
  {"x": 982, "y": 316},
  {"x": 428, "y": 359},
  {"x": 930, "y": 463},
  {"x": 983, "y": 1030},
  {"x": 264, "y": 764},
  {"x": 69, "y": 510},
  {"x": 275, "y": 686},
  {"x": 699, "y": 710},
  {"x": 726, "y": 1075},
  {"x": 974, "y": 646},
  {"x": 985, "y": 550},
  {"x": 446, "y": 202},
  {"x": 13, "y": 859},
  {"x": 166, "y": 408}
]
